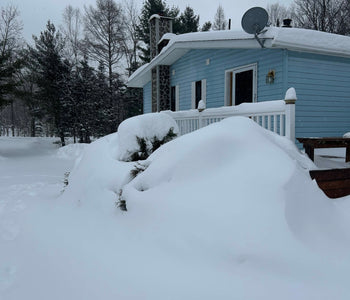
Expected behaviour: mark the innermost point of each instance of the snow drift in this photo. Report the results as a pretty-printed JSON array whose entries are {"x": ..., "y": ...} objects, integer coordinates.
[{"x": 226, "y": 212}]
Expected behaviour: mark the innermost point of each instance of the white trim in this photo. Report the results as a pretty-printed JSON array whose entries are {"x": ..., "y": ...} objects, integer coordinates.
[
  {"x": 177, "y": 97},
  {"x": 204, "y": 91},
  {"x": 193, "y": 94},
  {"x": 275, "y": 38},
  {"x": 236, "y": 70}
]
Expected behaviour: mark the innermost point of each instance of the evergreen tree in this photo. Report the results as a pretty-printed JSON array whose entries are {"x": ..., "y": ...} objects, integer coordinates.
[
  {"x": 8, "y": 83},
  {"x": 26, "y": 93},
  {"x": 150, "y": 8},
  {"x": 206, "y": 26},
  {"x": 189, "y": 22},
  {"x": 85, "y": 101},
  {"x": 103, "y": 108},
  {"x": 50, "y": 75}
]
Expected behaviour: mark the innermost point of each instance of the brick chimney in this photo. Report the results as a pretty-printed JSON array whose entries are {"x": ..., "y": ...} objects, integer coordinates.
[{"x": 159, "y": 25}]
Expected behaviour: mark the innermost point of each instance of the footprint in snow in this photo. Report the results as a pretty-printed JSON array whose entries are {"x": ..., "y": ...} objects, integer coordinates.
[
  {"x": 9, "y": 229},
  {"x": 7, "y": 277}
]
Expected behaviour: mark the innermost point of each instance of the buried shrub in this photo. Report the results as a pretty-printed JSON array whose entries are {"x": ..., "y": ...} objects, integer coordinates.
[
  {"x": 140, "y": 136},
  {"x": 121, "y": 203},
  {"x": 138, "y": 168},
  {"x": 147, "y": 147}
]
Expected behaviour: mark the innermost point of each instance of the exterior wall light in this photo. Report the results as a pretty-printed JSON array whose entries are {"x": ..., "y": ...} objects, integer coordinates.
[{"x": 270, "y": 77}]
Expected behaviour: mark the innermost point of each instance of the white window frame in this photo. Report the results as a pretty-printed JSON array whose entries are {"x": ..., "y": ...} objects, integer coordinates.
[
  {"x": 203, "y": 91},
  {"x": 177, "y": 97},
  {"x": 254, "y": 68}
]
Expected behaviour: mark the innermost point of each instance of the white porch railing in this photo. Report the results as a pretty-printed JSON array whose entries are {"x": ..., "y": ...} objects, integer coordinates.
[{"x": 277, "y": 115}]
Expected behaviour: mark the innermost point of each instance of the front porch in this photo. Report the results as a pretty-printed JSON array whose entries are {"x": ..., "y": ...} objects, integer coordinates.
[{"x": 275, "y": 115}]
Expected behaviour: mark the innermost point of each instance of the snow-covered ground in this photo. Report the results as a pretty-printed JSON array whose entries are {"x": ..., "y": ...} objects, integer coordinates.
[{"x": 227, "y": 212}]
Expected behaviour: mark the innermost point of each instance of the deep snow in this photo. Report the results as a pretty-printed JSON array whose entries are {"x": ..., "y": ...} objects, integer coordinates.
[{"x": 216, "y": 215}]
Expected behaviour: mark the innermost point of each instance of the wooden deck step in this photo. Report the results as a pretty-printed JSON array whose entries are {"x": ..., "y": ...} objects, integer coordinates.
[{"x": 335, "y": 183}]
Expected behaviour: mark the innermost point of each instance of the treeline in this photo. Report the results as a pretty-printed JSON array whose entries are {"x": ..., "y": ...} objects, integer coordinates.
[
  {"x": 324, "y": 15},
  {"x": 71, "y": 79}
]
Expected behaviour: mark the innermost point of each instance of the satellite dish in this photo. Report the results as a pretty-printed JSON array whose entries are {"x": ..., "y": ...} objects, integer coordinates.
[{"x": 254, "y": 21}]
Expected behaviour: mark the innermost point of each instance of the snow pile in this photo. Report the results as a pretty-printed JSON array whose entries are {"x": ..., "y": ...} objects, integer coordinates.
[
  {"x": 97, "y": 176},
  {"x": 71, "y": 151},
  {"x": 201, "y": 105},
  {"x": 231, "y": 206},
  {"x": 226, "y": 212},
  {"x": 148, "y": 127},
  {"x": 291, "y": 94}
]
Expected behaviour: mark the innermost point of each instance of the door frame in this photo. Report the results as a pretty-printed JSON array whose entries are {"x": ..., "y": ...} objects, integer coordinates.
[{"x": 230, "y": 88}]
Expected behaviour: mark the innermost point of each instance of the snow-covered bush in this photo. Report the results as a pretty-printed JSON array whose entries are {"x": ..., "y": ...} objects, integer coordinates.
[{"x": 141, "y": 135}]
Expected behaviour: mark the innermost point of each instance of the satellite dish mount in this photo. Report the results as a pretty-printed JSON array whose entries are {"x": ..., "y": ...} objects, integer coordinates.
[{"x": 254, "y": 21}]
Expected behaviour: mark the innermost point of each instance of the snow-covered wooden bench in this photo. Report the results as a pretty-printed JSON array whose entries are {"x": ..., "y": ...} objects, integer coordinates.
[
  {"x": 325, "y": 142},
  {"x": 334, "y": 183}
]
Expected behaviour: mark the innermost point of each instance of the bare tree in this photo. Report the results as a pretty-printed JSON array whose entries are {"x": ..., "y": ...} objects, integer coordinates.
[
  {"x": 220, "y": 22},
  {"x": 10, "y": 42},
  {"x": 10, "y": 29},
  {"x": 72, "y": 32},
  {"x": 104, "y": 29},
  {"x": 277, "y": 13},
  {"x": 132, "y": 40},
  {"x": 324, "y": 15}
]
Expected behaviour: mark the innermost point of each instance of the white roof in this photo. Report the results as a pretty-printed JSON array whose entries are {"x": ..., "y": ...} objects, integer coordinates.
[{"x": 297, "y": 39}]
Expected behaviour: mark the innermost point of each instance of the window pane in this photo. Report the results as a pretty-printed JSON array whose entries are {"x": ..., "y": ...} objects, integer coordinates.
[
  {"x": 172, "y": 98},
  {"x": 198, "y": 92},
  {"x": 244, "y": 87}
]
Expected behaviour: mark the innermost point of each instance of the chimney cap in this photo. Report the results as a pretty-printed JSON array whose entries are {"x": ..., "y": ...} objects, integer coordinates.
[
  {"x": 287, "y": 23},
  {"x": 157, "y": 16}
]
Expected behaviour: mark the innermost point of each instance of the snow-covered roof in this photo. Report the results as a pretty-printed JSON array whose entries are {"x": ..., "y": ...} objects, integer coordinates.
[{"x": 286, "y": 38}]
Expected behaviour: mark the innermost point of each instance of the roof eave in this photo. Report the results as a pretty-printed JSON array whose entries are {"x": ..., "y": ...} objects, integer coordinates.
[
  {"x": 303, "y": 48},
  {"x": 176, "y": 50}
]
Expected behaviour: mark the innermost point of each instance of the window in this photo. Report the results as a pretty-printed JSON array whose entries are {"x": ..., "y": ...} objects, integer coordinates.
[
  {"x": 174, "y": 98},
  {"x": 199, "y": 92},
  {"x": 241, "y": 85}
]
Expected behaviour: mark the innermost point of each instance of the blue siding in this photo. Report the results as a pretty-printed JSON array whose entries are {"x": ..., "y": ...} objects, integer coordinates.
[
  {"x": 322, "y": 84},
  {"x": 192, "y": 67},
  {"x": 147, "y": 98}
]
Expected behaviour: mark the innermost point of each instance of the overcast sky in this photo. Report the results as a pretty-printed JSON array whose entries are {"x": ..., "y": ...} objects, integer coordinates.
[{"x": 36, "y": 13}]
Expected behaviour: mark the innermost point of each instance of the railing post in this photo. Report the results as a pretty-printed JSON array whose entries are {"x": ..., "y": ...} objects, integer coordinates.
[
  {"x": 201, "y": 108},
  {"x": 290, "y": 99}
]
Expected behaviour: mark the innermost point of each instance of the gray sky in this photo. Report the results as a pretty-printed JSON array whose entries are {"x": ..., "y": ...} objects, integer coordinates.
[{"x": 36, "y": 13}]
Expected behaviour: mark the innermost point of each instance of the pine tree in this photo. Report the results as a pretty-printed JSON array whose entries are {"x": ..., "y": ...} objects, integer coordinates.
[
  {"x": 8, "y": 83},
  {"x": 206, "y": 26},
  {"x": 102, "y": 108},
  {"x": 85, "y": 100},
  {"x": 150, "y": 8},
  {"x": 50, "y": 74},
  {"x": 189, "y": 22}
]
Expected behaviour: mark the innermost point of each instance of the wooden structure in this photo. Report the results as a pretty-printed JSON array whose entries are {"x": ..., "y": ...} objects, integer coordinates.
[
  {"x": 325, "y": 142},
  {"x": 334, "y": 183}
]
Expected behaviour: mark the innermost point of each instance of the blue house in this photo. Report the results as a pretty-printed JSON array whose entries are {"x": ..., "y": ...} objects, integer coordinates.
[{"x": 225, "y": 68}]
